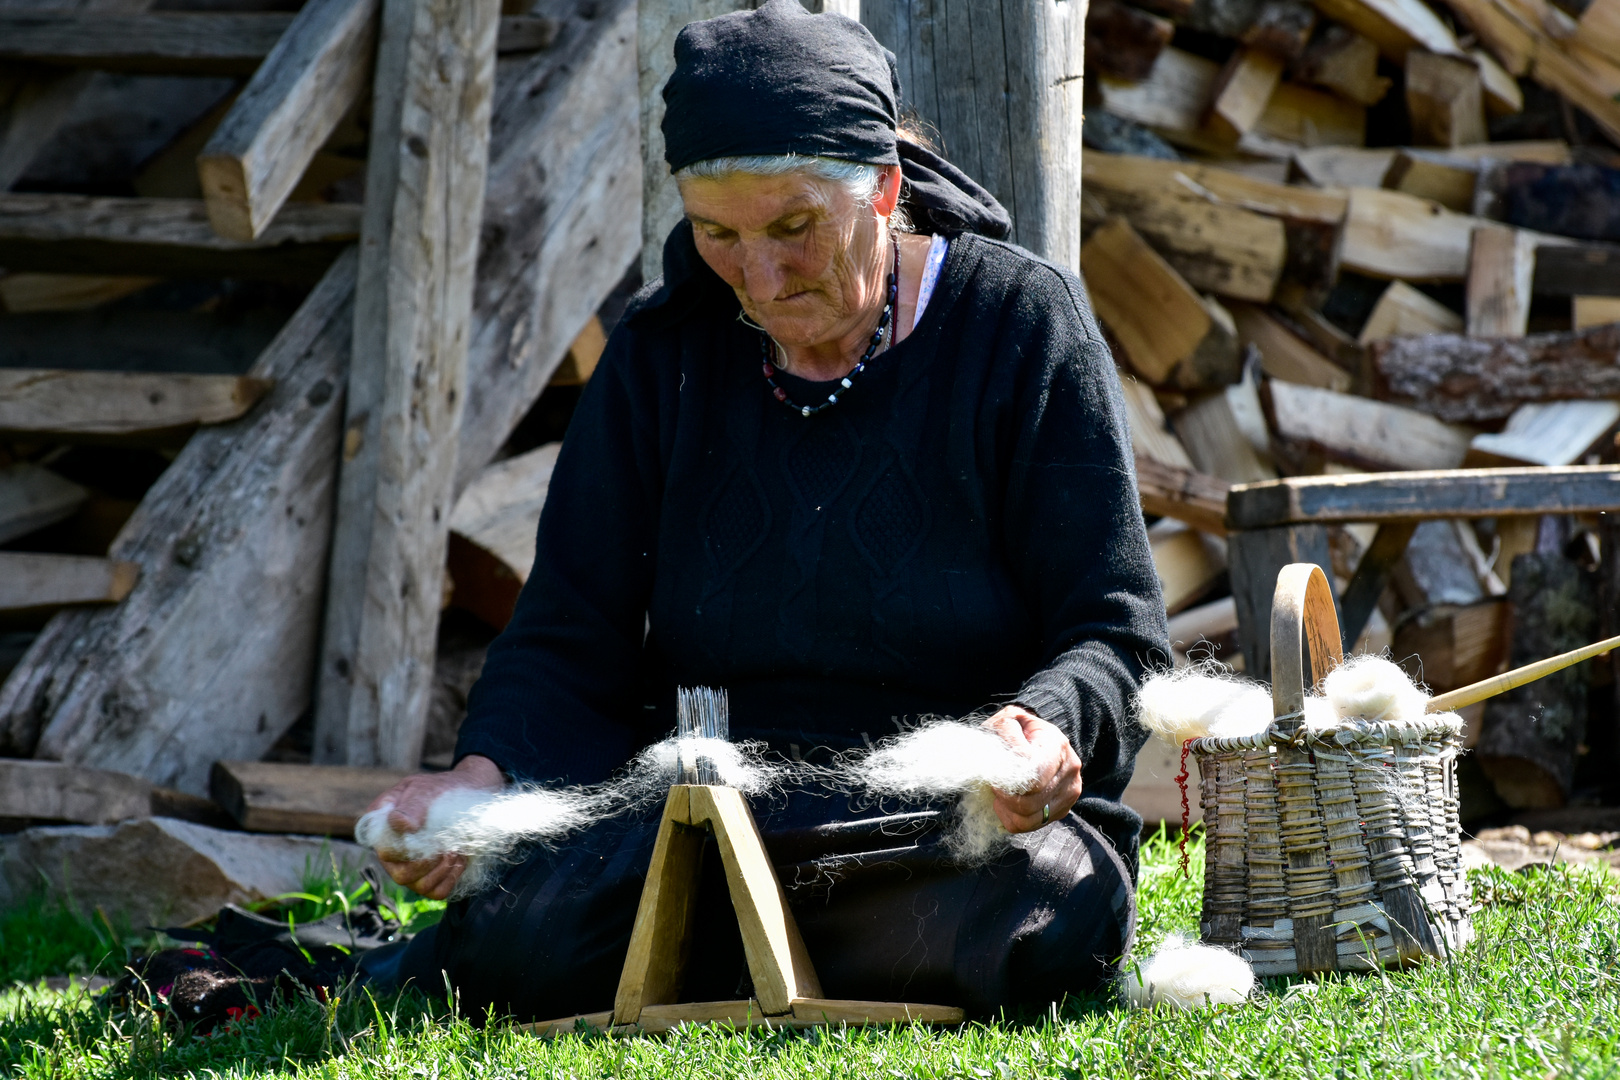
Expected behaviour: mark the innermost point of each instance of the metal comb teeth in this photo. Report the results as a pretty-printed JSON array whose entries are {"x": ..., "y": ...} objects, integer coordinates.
[{"x": 701, "y": 712}]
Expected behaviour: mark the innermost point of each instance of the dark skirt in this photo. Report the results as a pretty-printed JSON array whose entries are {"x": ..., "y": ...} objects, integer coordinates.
[{"x": 886, "y": 914}]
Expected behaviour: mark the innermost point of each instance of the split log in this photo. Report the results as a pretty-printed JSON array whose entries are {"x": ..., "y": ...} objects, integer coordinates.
[
  {"x": 119, "y": 403},
  {"x": 1588, "y": 311},
  {"x": 1014, "y": 127},
  {"x": 32, "y": 497},
  {"x": 30, "y": 582},
  {"x": 1503, "y": 97},
  {"x": 1172, "y": 101},
  {"x": 1165, "y": 329},
  {"x": 1119, "y": 174},
  {"x": 1124, "y": 41},
  {"x": 308, "y": 82},
  {"x": 1501, "y": 265},
  {"x": 24, "y": 293},
  {"x": 1530, "y": 736},
  {"x": 583, "y": 355},
  {"x": 1457, "y": 645},
  {"x": 1343, "y": 166},
  {"x": 1305, "y": 116},
  {"x": 425, "y": 180},
  {"x": 1598, "y": 28},
  {"x": 1223, "y": 18},
  {"x": 1445, "y": 99},
  {"x": 1369, "y": 434},
  {"x": 492, "y": 533},
  {"x": 1436, "y": 567},
  {"x": 1436, "y": 177},
  {"x": 1282, "y": 28},
  {"x": 166, "y": 237},
  {"x": 1557, "y": 433},
  {"x": 1466, "y": 380},
  {"x": 1215, "y": 440},
  {"x": 46, "y": 791},
  {"x": 1150, "y": 435},
  {"x": 1182, "y": 494},
  {"x": 1506, "y": 32},
  {"x": 1391, "y": 235},
  {"x": 275, "y": 797},
  {"x": 1589, "y": 81},
  {"x": 1242, "y": 91},
  {"x": 1284, "y": 354},
  {"x": 1397, "y": 26},
  {"x": 1403, "y": 311},
  {"x": 1582, "y": 201},
  {"x": 1187, "y": 563},
  {"x": 1346, "y": 63},
  {"x": 1574, "y": 270},
  {"x": 212, "y": 654}
]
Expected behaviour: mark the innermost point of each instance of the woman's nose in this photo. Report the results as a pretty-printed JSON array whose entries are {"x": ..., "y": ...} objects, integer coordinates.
[{"x": 762, "y": 272}]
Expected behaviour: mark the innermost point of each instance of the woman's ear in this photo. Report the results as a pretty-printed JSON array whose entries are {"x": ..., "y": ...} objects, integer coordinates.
[{"x": 888, "y": 195}]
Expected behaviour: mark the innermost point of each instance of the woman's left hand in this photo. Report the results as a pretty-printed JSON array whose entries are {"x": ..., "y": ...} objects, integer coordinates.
[{"x": 1057, "y": 783}]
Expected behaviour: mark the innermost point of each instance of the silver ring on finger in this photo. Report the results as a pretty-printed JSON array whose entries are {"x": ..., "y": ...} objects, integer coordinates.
[{"x": 1046, "y": 813}]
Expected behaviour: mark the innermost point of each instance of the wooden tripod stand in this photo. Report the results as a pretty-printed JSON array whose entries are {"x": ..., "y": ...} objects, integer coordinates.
[{"x": 786, "y": 990}]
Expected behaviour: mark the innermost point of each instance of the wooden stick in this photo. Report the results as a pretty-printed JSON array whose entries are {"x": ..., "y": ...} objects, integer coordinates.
[{"x": 1508, "y": 680}]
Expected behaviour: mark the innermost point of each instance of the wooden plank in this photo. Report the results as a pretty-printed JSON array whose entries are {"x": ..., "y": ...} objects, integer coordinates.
[
  {"x": 51, "y": 791},
  {"x": 324, "y": 800},
  {"x": 1388, "y": 234},
  {"x": 1445, "y": 99},
  {"x": 212, "y": 655},
  {"x": 1588, "y": 311},
  {"x": 1424, "y": 495},
  {"x": 1346, "y": 63},
  {"x": 32, "y": 497},
  {"x": 29, "y": 580},
  {"x": 407, "y": 382},
  {"x": 1403, "y": 311},
  {"x": 1397, "y": 26},
  {"x": 1555, "y": 433},
  {"x": 777, "y": 959},
  {"x": 1303, "y": 116},
  {"x": 1284, "y": 354},
  {"x": 835, "y": 1011},
  {"x": 109, "y": 403},
  {"x": 1470, "y": 380},
  {"x": 1577, "y": 270},
  {"x": 167, "y": 237},
  {"x": 1371, "y": 434},
  {"x": 567, "y": 1025},
  {"x": 1242, "y": 91},
  {"x": 1124, "y": 41},
  {"x": 215, "y": 43},
  {"x": 1435, "y": 177},
  {"x": 1182, "y": 494},
  {"x": 1501, "y": 265},
  {"x": 1160, "y": 321},
  {"x": 308, "y": 82},
  {"x": 661, "y": 935}
]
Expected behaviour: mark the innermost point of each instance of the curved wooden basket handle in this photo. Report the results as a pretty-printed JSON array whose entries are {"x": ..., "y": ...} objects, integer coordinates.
[{"x": 1302, "y": 618}]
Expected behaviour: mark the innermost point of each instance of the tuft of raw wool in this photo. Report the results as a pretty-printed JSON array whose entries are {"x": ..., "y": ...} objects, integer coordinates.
[
  {"x": 1374, "y": 689},
  {"x": 1202, "y": 700},
  {"x": 1188, "y": 975},
  {"x": 1320, "y": 713},
  {"x": 950, "y": 759}
]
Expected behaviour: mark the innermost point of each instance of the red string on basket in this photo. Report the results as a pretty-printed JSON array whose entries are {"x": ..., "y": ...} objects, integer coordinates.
[{"x": 1186, "y": 808}]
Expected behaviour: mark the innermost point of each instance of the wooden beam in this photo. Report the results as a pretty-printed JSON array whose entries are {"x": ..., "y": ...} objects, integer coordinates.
[
  {"x": 1182, "y": 494},
  {"x": 212, "y": 655},
  {"x": 1346, "y": 63},
  {"x": 1397, "y": 26},
  {"x": 166, "y": 237},
  {"x": 1470, "y": 380},
  {"x": 115, "y": 403},
  {"x": 1124, "y": 41},
  {"x": 28, "y": 580},
  {"x": 308, "y": 82},
  {"x": 1403, "y": 311},
  {"x": 1371, "y": 434},
  {"x": 1388, "y": 234},
  {"x": 1420, "y": 496},
  {"x": 1501, "y": 265},
  {"x": 1445, "y": 99},
  {"x": 51, "y": 791},
  {"x": 1163, "y": 326},
  {"x": 324, "y": 800},
  {"x": 32, "y": 497},
  {"x": 187, "y": 43},
  {"x": 407, "y": 379}
]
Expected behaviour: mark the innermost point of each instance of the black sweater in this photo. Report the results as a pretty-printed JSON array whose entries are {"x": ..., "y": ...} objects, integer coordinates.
[{"x": 960, "y": 531}]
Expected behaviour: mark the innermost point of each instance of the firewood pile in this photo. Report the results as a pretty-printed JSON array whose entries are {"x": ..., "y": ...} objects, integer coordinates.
[{"x": 1366, "y": 236}]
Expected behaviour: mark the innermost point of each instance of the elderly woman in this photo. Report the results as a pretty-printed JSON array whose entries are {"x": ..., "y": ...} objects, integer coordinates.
[{"x": 856, "y": 474}]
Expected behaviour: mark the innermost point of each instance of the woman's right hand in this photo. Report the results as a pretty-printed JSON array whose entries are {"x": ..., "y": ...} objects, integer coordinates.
[{"x": 435, "y": 877}]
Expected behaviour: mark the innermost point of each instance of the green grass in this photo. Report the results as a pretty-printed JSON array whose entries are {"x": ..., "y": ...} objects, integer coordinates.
[{"x": 1536, "y": 995}]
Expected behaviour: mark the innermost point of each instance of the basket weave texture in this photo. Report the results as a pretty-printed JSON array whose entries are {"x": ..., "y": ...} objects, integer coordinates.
[{"x": 1330, "y": 848}]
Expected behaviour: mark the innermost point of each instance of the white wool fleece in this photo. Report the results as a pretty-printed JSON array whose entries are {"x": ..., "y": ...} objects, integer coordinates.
[{"x": 1188, "y": 975}]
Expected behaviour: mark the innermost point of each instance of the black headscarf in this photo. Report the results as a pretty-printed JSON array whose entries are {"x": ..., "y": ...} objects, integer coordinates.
[{"x": 778, "y": 80}]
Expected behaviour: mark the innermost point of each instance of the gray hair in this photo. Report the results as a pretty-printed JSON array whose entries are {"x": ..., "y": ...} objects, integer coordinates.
[{"x": 860, "y": 180}]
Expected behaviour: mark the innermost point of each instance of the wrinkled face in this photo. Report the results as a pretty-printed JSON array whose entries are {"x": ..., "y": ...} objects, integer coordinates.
[{"x": 800, "y": 252}]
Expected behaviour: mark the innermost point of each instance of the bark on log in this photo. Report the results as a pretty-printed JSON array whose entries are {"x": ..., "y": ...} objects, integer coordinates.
[
  {"x": 1467, "y": 380},
  {"x": 1125, "y": 41},
  {"x": 1528, "y": 742}
]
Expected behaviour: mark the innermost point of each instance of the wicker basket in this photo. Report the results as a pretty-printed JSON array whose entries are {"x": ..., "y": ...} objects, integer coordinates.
[{"x": 1333, "y": 849}]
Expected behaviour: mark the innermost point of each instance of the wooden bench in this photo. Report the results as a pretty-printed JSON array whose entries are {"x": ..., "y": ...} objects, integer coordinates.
[{"x": 1277, "y": 522}]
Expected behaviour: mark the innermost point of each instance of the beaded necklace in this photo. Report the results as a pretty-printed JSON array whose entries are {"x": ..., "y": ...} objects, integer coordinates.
[{"x": 807, "y": 411}]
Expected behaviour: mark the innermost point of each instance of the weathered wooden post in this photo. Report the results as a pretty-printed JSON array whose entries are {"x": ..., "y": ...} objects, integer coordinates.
[
  {"x": 1001, "y": 84},
  {"x": 407, "y": 379}
]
